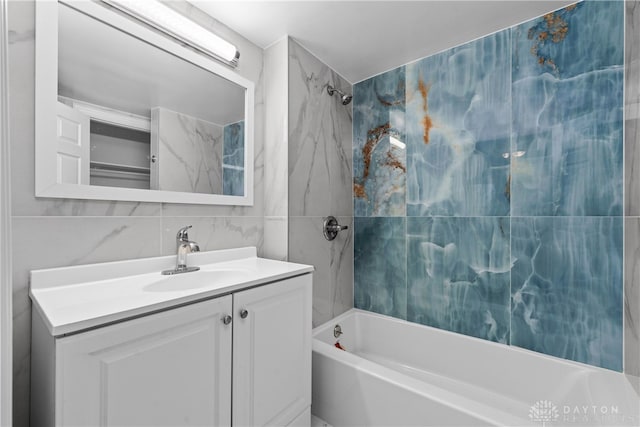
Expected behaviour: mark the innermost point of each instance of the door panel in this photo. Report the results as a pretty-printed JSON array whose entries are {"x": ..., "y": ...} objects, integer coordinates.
[
  {"x": 272, "y": 353},
  {"x": 166, "y": 369}
]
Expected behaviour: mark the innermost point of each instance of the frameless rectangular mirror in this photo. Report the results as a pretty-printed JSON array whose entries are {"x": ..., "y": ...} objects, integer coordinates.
[{"x": 125, "y": 113}]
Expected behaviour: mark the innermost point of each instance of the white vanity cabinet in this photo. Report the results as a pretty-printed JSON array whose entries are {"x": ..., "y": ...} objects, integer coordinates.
[
  {"x": 166, "y": 369},
  {"x": 241, "y": 359},
  {"x": 271, "y": 354}
]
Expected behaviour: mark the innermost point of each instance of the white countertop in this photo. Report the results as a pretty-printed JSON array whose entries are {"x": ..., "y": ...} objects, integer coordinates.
[{"x": 71, "y": 299}]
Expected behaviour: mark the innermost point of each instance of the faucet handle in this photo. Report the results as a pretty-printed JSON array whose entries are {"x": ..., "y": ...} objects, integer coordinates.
[{"x": 182, "y": 233}]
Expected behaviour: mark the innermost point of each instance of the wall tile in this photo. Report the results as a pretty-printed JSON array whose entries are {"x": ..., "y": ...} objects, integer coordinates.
[
  {"x": 632, "y": 108},
  {"x": 632, "y": 296},
  {"x": 213, "y": 233},
  {"x": 189, "y": 153},
  {"x": 379, "y": 167},
  {"x": 632, "y": 57},
  {"x": 62, "y": 241},
  {"x": 380, "y": 265},
  {"x": 458, "y": 275},
  {"x": 567, "y": 96},
  {"x": 276, "y": 236},
  {"x": 319, "y": 138},
  {"x": 319, "y": 153},
  {"x": 522, "y": 122},
  {"x": 566, "y": 288},
  {"x": 233, "y": 144},
  {"x": 233, "y": 159},
  {"x": 276, "y": 129},
  {"x": 233, "y": 182},
  {"x": 333, "y": 262},
  {"x": 458, "y": 130}
]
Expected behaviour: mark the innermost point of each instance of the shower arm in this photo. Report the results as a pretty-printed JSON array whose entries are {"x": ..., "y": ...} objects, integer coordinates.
[{"x": 331, "y": 90}]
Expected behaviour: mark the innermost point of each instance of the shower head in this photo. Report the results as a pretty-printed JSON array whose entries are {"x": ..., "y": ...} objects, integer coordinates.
[{"x": 345, "y": 98}]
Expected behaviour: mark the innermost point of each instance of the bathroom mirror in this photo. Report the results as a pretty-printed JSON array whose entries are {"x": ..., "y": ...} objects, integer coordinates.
[{"x": 125, "y": 113}]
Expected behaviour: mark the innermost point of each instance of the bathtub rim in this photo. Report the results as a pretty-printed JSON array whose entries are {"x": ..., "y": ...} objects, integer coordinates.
[
  {"x": 481, "y": 411},
  {"x": 524, "y": 351}
]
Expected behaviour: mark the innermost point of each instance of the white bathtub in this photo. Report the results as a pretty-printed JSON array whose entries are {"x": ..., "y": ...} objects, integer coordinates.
[{"x": 398, "y": 373}]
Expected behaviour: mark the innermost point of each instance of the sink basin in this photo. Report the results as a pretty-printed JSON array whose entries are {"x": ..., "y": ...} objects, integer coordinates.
[{"x": 196, "y": 280}]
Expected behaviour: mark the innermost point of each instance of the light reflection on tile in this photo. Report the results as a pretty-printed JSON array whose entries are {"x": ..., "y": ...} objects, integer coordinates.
[
  {"x": 458, "y": 130},
  {"x": 379, "y": 167}
]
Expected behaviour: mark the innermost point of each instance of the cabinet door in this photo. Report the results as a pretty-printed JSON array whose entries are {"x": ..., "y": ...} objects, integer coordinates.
[
  {"x": 272, "y": 353},
  {"x": 167, "y": 369}
]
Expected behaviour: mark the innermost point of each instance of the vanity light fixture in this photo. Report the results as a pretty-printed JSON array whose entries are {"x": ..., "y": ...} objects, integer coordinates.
[{"x": 167, "y": 20}]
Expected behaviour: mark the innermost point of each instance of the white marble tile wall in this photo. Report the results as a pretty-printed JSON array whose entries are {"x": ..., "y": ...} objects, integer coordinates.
[
  {"x": 54, "y": 232},
  {"x": 632, "y": 190},
  {"x": 276, "y": 232},
  {"x": 320, "y": 153},
  {"x": 632, "y": 296},
  {"x": 276, "y": 128},
  {"x": 320, "y": 180},
  {"x": 189, "y": 153},
  {"x": 276, "y": 150},
  {"x": 211, "y": 233},
  {"x": 333, "y": 276},
  {"x": 632, "y": 108}
]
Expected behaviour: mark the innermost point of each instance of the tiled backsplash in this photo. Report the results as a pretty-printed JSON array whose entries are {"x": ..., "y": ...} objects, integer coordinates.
[{"x": 488, "y": 187}]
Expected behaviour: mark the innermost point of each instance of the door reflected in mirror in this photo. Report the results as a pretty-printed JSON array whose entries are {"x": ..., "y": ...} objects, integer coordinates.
[{"x": 132, "y": 115}]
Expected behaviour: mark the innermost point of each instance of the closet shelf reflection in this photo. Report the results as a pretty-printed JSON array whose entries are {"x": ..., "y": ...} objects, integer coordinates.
[{"x": 108, "y": 169}]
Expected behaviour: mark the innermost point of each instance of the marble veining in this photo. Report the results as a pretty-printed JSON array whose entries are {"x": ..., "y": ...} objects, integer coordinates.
[
  {"x": 632, "y": 296},
  {"x": 189, "y": 152},
  {"x": 632, "y": 108},
  {"x": 380, "y": 274},
  {"x": 566, "y": 288},
  {"x": 333, "y": 262},
  {"x": 319, "y": 138},
  {"x": 233, "y": 159},
  {"x": 458, "y": 275},
  {"x": 276, "y": 133},
  {"x": 458, "y": 129},
  {"x": 512, "y": 186},
  {"x": 379, "y": 157},
  {"x": 233, "y": 144},
  {"x": 212, "y": 233},
  {"x": 319, "y": 182},
  {"x": 567, "y": 91}
]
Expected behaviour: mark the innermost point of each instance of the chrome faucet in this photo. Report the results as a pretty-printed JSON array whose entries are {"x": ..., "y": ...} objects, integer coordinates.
[{"x": 184, "y": 246}]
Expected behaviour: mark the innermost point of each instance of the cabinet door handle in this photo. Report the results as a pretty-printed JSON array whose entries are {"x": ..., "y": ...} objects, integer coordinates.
[
  {"x": 226, "y": 319},
  {"x": 244, "y": 313}
]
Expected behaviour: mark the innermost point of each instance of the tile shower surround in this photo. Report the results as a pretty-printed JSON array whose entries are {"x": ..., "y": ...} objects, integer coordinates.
[
  {"x": 502, "y": 218},
  {"x": 319, "y": 183}
]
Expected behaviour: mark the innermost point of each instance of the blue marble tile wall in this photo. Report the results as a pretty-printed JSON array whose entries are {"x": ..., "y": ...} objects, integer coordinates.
[
  {"x": 233, "y": 159},
  {"x": 488, "y": 187}
]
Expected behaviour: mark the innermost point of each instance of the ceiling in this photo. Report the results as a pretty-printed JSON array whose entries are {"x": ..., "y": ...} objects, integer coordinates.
[{"x": 360, "y": 39}]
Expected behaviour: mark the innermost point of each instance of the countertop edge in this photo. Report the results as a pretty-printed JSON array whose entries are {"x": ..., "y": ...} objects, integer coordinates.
[{"x": 61, "y": 330}]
